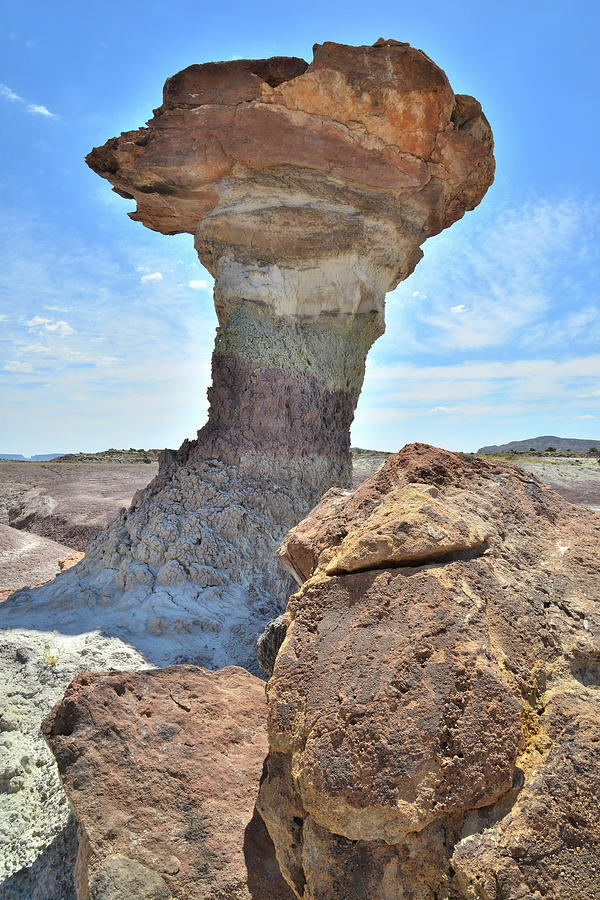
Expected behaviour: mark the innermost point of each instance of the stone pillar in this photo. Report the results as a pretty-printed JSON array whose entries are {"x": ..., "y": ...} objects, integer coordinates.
[{"x": 309, "y": 190}]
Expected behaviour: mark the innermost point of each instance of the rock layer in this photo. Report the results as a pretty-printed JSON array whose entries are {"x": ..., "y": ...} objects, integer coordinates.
[
  {"x": 433, "y": 710},
  {"x": 162, "y": 769}
]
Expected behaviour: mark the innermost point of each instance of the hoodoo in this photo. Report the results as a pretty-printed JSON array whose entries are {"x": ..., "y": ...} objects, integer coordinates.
[{"x": 309, "y": 190}]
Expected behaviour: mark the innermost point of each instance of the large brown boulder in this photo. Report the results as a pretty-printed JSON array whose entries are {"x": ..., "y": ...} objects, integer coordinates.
[
  {"x": 434, "y": 710},
  {"x": 162, "y": 768}
]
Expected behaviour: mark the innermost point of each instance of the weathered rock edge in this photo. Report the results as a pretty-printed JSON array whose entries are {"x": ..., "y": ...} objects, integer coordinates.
[
  {"x": 162, "y": 768},
  {"x": 435, "y": 706}
]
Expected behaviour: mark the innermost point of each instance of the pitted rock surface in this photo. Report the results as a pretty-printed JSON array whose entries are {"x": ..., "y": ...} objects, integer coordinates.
[
  {"x": 162, "y": 768},
  {"x": 433, "y": 710}
]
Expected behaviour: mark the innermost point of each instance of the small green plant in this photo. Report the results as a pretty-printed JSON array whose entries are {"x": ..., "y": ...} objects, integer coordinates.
[{"x": 51, "y": 655}]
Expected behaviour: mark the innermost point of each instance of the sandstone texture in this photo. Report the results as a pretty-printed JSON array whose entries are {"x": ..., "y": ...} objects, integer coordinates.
[
  {"x": 162, "y": 769},
  {"x": 434, "y": 709}
]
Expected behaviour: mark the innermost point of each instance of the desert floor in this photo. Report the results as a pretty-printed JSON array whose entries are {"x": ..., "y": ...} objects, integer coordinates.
[{"x": 50, "y": 508}]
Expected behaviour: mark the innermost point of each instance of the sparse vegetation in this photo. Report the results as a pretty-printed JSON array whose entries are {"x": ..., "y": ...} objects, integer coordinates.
[{"x": 51, "y": 655}]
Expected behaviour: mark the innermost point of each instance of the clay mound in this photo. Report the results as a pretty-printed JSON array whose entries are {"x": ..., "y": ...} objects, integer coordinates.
[
  {"x": 28, "y": 559},
  {"x": 434, "y": 708},
  {"x": 163, "y": 769},
  {"x": 68, "y": 503}
]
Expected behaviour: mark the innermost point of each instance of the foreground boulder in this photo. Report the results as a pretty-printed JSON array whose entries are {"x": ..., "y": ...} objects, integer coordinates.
[
  {"x": 162, "y": 769},
  {"x": 434, "y": 709}
]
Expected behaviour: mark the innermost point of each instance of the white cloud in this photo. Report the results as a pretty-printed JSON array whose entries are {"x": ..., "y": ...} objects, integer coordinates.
[
  {"x": 461, "y": 308},
  {"x": 33, "y": 348},
  {"x": 36, "y": 109},
  {"x": 3, "y": 317},
  {"x": 444, "y": 409},
  {"x": 200, "y": 285},
  {"x": 59, "y": 327},
  {"x": 591, "y": 394},
  {"x": 154, "y": 276},
  {"x": 586, "y": 417},
  {"x": 15, "y": 365},
  {"x": 8, "y": 94}
]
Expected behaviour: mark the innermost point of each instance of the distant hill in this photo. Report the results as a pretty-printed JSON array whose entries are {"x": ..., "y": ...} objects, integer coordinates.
[
  {"x": 39, "y": 457},
  {"x": 112, "y": 456},
  {"x": 543, "y": 443}
]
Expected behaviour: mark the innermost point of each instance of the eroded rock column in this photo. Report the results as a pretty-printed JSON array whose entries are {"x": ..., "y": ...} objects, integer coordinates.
[{"x": 309, "y": 190}]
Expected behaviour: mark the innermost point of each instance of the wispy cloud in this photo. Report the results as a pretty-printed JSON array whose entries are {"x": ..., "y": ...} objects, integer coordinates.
[
  {"x": 138, "y": 368},
  {"x": 8, "y": 94},
  {"x": 59, "y": 327},
  {"x": 38, "y": 109},
  {"x": 154, "y": 276},
  {"x": 509, "y": 278},
  {"x": 35, "y": 109},
  {"x": 16, "y": 365},
  {"x": 198, "y": 285}
]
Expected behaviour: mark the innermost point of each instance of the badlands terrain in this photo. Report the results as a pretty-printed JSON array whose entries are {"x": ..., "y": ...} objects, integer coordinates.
[{"x": 50, "y": 509}]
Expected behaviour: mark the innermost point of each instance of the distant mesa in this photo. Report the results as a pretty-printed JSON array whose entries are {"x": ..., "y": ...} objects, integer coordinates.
[{"x": 546, "y": 442}]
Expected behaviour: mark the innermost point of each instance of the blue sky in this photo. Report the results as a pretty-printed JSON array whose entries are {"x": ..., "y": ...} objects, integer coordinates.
[{"x": 106, "y": 328}]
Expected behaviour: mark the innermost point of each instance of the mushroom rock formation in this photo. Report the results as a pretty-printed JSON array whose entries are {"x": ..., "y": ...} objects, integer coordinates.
[
  {"x": 162, "y": 768},
  {"x": 434, "y": 709},
  {"x": 309, "y": 190}
]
